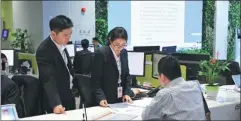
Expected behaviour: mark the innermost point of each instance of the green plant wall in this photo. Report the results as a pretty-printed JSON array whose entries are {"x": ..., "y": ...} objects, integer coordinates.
[
  {"x": 208, "y": 26},
  {"x": 101, "y": 22},
  {"x": 234, "y": 23}
]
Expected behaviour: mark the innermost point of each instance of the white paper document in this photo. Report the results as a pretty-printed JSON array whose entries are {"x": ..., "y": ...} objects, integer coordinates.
[
  {"x": 118, "y": 116},
  {"x": 141, "y": 103}
]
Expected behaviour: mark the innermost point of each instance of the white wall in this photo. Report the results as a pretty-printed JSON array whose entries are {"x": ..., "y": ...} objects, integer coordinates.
[
  {"x": 221, "y": 29},
  {"x": 237, "y": 50},
  {"x": 28, "y": 15},
  {"x": 72, "y": 9}
]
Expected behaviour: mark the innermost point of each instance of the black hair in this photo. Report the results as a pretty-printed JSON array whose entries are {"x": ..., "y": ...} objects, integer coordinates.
[
  {"x": 59, "y": 23},
  {"x": 3, "y": 63},
  {"x": 117, "y": 32},
  {"x": 85, "y": 43},
  {"x": 96, "y": 39},
  {"x": 170, "y": 67},
  {"x": 108, "y": 38}
]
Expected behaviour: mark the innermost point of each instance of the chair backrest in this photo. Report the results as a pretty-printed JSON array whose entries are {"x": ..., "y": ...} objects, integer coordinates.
[
  {"x": 184, "y": 71},
  {"x": 11, "y": 95},
  {"x": 85, "y": 63},
  {"x": 85, "y": 88},
  {"x": 30, "y": 88},
  {"x": 234, "y": 69},
  {"x": 30, "y": 57}
]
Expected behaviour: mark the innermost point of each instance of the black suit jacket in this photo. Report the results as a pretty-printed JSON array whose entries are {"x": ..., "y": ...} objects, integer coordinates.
[
  {"x": 82, "y": 62},
  {"x": 54, "y": 76},
  {"x": 105, "y": 75},
  {"x": 10, "y": 94}
]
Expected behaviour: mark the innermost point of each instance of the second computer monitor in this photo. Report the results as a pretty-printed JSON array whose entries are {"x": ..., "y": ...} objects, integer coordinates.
[
  {"x": 155, "y": 59},
  {"x": 78, "y": 47},
  {"x": 136, "y": 62},
  {"x": 71, "y": 50},
  {"x": 169, "y": 49},
  {"x": 10, "y": 56}
]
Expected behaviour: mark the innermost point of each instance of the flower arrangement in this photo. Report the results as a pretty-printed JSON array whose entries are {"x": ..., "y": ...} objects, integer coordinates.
[{"x": 212, "y": 69}]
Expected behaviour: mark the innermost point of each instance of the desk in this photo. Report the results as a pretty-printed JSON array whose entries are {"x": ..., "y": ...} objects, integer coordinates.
[
  {"x": 219, "y": 110},
  {"x": 227, "y": 106}
]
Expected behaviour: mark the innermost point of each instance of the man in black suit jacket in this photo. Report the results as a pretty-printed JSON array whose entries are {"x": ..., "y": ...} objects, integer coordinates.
[
  {"x": 83, "y": 59},
  {"x": 110, "y": 70},
  {"x": 55, "y": 67}
]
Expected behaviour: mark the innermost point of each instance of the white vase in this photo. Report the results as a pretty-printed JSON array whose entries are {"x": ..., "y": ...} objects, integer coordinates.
[{"x": 212, "y": 92}]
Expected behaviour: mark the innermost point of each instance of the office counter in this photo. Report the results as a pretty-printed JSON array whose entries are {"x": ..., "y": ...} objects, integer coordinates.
[{"x": 226, "y": 109}]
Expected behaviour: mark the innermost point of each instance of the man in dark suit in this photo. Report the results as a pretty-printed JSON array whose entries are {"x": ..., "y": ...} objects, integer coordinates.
[
  {"x": 110, "y": 72},
  {"x": 10, "y": 94},
  {"x": 83, "y": 59},
  {"x": 55, "y": 67}
]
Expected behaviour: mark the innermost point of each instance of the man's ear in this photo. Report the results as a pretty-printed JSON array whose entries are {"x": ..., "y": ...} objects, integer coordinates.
[{"x": 52, "y": 33}]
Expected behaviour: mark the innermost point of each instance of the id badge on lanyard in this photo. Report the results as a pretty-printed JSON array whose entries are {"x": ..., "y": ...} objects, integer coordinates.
[{"x": 119, "y": 91}]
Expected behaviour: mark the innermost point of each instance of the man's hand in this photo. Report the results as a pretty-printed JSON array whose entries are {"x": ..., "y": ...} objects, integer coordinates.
[
  {"x": 104, "y": 103},
  {"x": 59, "y": 109},
  {"x": 127, "y": 98}
]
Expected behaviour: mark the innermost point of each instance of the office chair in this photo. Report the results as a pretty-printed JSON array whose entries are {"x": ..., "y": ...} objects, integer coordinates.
[
  {"x": 82, "y": 63},
  {"x": 85, "y": 88},
  {"x": 30, "y": 57},
  {"x": 30, "y": 89},
  {"x": 10, "y": 94},
  {"x": 234, "y": 69}
]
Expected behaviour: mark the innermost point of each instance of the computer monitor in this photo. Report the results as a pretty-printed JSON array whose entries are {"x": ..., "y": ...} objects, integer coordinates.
[
  {"x": 9, "y": 112},
  {"x": 10, "y": 56},
  {"x": 136, "y": 62},
  {"x": 5, "y": 33},
  {"x": 155, "y": 59},
  {"x": 79, "y": 48},
  {"x": 192, "y": 62},
  {"x": 169, "y": 49},
  {"x": 71, "y": 49},
  {"x": 238, "y": 33},
  {"x": 91, "y": 48},
  {"x": 146, "y": 48}
]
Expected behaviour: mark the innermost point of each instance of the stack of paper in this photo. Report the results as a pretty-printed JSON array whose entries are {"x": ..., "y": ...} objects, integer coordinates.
[
  {"x": 141, "y": 103},
  {"x": 118, "y": 116},
  {"x": 125, "y": 108},
  {"x": 101, "y": 115}
]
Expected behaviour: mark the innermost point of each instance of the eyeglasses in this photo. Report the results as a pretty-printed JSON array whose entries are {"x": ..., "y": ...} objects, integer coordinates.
[{"x": 119, "y": 46}]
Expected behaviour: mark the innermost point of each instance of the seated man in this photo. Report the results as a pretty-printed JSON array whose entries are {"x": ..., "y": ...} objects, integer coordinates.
[
  {"x": 179, "y": 99},
  {"x": 96, "y": 42},
  {"x": 3, "y": 62},
  {"x": 82, "y": 59}
]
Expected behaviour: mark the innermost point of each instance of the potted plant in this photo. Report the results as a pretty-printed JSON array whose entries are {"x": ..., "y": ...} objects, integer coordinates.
[
  {"x": 21, "y": 41},
  {"x": 211, "y": 71}
]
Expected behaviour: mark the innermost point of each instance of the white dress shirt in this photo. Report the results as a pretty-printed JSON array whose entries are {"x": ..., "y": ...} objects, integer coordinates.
[
  {"x": 179, "y": 100},
  {"x": 63, "y": 54},
  {"x": 118, "y": 62}
]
